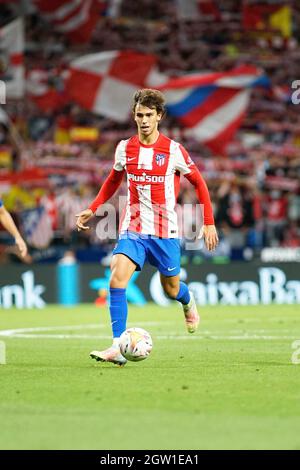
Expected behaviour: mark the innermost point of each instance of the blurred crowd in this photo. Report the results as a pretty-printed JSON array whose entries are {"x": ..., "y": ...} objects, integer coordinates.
[{"x": 255, "y": 188}]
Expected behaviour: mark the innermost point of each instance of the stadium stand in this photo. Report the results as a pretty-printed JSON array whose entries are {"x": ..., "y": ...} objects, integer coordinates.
[{"x": 55, "y": 154}]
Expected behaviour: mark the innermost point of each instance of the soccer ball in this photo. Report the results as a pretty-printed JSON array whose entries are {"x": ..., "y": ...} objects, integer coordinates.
[{"x": 135, "y": 344}]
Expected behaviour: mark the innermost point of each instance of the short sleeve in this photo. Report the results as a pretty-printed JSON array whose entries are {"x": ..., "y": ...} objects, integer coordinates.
[
  {"x": 1, "y": 203},
  {"x": 120, "y": 156},
  {"x": 184, "y": 163}
]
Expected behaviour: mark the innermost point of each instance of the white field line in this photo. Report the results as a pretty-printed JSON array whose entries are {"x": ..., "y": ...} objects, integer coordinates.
[
  {"x": 19, "y": 331},
  {"x": 48, "y": 328},
  {"x": 205, "y": 334},
  {"x": 162, "y": 337}
]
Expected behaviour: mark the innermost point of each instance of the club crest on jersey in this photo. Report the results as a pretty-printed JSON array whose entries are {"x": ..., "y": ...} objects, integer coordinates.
[{"x": 160, "y": 159}]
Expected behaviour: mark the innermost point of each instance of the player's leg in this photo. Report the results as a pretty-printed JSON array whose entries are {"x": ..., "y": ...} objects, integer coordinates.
[
  {"x": 165, "y": 255},
  {"x": 128, "y": 256},
  {"x": 122, "y": 269},
  {"x": 178, "y": 290}
]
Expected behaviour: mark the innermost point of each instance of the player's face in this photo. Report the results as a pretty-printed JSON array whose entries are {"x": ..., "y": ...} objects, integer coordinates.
[{"x": 147, "y": 120}]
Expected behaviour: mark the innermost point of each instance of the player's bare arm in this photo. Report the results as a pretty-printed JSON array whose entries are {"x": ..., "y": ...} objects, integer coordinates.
[
  {"x": 82, "y": 219},
  {"x": 109, "y": 187},
  {"x": 9, "y": 225},
  {"x": 210, "y": 236}
]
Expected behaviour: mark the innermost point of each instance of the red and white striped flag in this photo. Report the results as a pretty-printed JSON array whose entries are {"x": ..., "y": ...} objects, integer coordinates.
[
  {"x": 75, "y": 18},
  {"x": 105, "y": 82},
  {"x": 210, "y": 106},
  {"x": 46, "y": 96},
  {"x": 12, "y": 47}
]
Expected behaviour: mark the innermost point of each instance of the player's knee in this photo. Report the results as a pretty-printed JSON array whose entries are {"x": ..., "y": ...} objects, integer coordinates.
[{"x": 117, "y": 282}]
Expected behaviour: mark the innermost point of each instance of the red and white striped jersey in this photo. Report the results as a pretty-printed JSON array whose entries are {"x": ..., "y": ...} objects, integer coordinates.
[{"x": 153, "y": 174}]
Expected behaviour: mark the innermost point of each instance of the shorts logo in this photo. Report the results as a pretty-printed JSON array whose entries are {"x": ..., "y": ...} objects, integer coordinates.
[{"x": 160, "y": 159}]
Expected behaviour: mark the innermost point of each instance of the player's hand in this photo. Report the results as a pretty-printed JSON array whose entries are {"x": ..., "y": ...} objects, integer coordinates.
[
  {"x": 82, "y": 218},
  {"x": 22, "y": 246},
  {"x": 210, "y": 236}
]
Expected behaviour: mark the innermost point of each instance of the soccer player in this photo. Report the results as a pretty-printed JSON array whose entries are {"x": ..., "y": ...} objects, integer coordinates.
[
  {"x": 149, "y": 229},
  {"x": 9, "y": 225}
]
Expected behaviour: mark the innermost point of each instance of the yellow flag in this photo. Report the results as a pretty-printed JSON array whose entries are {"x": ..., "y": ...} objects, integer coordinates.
[
  {"x": 80, "y": 134},
  {"x": 282, "y": 21}
]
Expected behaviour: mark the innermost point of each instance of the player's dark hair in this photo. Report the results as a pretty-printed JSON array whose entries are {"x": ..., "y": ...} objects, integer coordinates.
[{"x": 150, "y": 98}]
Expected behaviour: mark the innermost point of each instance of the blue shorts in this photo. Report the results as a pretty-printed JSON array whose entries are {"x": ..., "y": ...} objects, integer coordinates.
[{"x": 163, "y": 253}]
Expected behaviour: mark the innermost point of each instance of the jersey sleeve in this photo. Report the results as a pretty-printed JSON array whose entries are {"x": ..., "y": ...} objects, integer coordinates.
[
  {"x": 120, "y": 156},
  {"x": 1, "y": 203},
  {"x": 201, "y": 189},
  {"x": 114, "y": 179},
  {"x": 108, "y": 188},
  {"x": 184, "y": 164}
]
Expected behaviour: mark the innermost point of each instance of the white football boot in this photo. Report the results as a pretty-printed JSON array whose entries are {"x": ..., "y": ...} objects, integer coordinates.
[
  {"x": 111, "y": 354},
  {"x": 191, "y": 314}
]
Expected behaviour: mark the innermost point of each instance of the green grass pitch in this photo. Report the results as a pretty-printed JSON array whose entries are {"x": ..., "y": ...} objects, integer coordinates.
[{"x": 232, "y": 385}]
